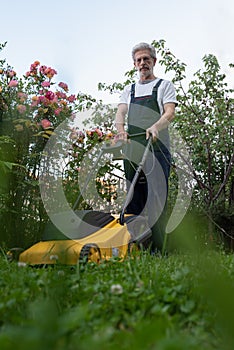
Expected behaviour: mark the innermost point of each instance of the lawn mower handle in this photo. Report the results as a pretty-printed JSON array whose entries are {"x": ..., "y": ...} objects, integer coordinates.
[{"x": 135, "y": 178}]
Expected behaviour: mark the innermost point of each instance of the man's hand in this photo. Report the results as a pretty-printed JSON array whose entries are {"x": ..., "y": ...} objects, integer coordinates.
[
  {"x": 123, "y": 136},
  {"x": 153, "y": 132}
]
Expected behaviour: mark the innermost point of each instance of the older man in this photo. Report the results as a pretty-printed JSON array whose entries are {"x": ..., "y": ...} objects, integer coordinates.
[{"x": 149, "y": 105}]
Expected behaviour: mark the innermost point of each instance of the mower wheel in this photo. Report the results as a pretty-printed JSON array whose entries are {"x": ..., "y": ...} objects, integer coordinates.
[
  {"x": 90, "y": 252},
  {"x": 13, "y": 254}
]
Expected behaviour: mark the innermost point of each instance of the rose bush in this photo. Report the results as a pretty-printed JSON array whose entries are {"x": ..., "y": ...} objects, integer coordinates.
[{"x": 31, "y": 108}]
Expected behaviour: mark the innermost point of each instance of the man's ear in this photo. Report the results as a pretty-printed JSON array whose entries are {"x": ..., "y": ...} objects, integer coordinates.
[{"x": 155, "y": 60}]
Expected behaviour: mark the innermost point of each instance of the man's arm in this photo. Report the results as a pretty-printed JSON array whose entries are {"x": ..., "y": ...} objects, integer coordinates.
[
  {"x": 163, "y": 122},
  {"x": 120, "y": 121}
]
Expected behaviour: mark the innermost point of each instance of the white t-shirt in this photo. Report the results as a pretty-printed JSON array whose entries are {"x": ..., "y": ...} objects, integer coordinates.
[{"x": 166, "y": 92}]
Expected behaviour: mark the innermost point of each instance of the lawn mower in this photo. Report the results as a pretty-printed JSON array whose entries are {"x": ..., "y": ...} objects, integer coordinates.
[{"x": 100, "y": 235}]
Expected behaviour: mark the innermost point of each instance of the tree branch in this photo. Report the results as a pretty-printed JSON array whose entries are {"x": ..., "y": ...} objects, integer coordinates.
[{"x": 226, "y": 176}]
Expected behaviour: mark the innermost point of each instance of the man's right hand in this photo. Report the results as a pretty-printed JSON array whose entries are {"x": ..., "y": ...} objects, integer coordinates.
[{"x": 123, "y": 136}]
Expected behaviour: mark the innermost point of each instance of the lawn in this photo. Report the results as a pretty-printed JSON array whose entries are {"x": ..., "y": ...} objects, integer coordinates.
[{"x": 179, "y": 302}]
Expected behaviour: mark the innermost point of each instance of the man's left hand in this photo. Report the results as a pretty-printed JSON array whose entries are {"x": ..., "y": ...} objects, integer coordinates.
[{"x": 153, "y": 132}]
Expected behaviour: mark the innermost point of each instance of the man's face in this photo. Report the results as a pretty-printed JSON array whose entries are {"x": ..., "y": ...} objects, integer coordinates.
[{"x": 144, "y": 64}]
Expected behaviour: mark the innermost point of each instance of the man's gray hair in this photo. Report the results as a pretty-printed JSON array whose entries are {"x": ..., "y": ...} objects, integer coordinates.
[{"x": 144, "y": 46}]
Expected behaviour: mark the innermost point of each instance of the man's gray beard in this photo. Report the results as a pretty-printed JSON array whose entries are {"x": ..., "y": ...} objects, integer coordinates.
[{"x": 146, "y": 74}]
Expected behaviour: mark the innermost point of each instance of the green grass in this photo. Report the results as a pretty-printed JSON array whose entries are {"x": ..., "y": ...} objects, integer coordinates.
[{"x": 181, "y": 302}]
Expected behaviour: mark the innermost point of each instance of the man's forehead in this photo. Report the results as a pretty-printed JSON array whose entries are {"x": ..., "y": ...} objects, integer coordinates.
[{"x": 142, "y": 53}]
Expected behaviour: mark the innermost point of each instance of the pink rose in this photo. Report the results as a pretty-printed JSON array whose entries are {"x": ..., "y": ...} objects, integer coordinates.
[
  {"x": 77, "y": 135},
  {"x": 45, "y": 123},
  {"x": 34, "y": 65},
  {"x": 41, "y": 99},
  {"x": 22, "y": 96},
  {"x": 42, "y": 69},
  {"x": 50, "y": 72},
  {"x": 90, "y": 133},
  {"x": 61, "y": 95},
  {"x": 57, "y": 111},
  {"x": 63, "y": 86},
  {"x": 21, "y": 109},
  {"x": 45, "y": 84},
  {"x": 11, "y": 73},
  {"x": 13, "y": 83},
  {"x": 50, "y": 95},
  {"x": 99, "y": 132},
  {"x": 71, "y": 98}
]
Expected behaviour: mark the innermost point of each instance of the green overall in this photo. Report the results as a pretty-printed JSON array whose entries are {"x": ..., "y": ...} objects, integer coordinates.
[{"x": 150, "y": 194}]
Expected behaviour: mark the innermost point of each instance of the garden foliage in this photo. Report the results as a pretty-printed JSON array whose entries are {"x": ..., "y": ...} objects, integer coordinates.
[
  {"x": 183, "y": 301},
  {"x": 33, "y": 106}
]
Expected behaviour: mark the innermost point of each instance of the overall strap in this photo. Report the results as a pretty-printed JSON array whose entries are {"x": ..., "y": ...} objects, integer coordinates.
[
  {"x": 133, "y": 92},
  {"x": 155, "y": 88}
]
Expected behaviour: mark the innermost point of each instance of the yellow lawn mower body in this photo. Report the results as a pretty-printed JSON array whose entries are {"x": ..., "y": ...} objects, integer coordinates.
[{"x": 108, "y": 239}]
